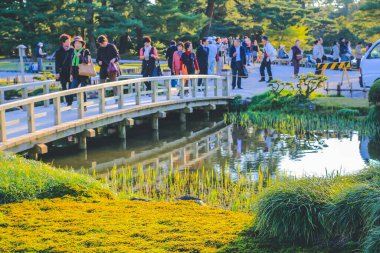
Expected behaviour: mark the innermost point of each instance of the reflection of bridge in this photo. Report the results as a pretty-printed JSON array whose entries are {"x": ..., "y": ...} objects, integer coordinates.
[
  {"x": 36, "y": 125},
  {"x": 184, "y": 152}
]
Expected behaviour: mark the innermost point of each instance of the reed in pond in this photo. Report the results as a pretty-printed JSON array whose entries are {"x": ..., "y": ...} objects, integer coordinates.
[{"x": 215, "y": 187}]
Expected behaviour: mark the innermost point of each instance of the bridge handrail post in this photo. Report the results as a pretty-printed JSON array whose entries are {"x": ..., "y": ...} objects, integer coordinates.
[
  {"x": 154, "y": 91},
  {"x": 182, "y": 88},
  {"x": 194, "y": 87},
  {"x": 215, "y": 87},
  {"x": 80, "y": 101},
  {"x": 102, "y": 100},
  {"x": 31, "y": 118},
  {"x": 205, "y": 80},
  {"x": 168, "y": 89},
  {"x": 138, "y": 93},
  {"x": 120, "y": 92},
  {"x": 225, "y": 87},
  {"x": 2, "y": 97},
  {"x": 3, "y": 127},
  {"x": 46, "y": 91},
  {"x": 24, "y": 96},
  {"x": 57, "y": 110}
]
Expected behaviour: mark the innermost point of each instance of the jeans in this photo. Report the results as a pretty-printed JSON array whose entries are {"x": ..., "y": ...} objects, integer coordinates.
[
  {"x": 267, "y": 65},
  {"x": 80, "y": 81},
  {"x": 248, "y": 55},
  {"x": 202, "y": 71},
  {"x": 40, "y": 64},
  {"x": 344, "y": 58},
  {"x": 237, "y": 71},
  {"x": 65, "y": 85},
  {"x": 211, "y": 66}
]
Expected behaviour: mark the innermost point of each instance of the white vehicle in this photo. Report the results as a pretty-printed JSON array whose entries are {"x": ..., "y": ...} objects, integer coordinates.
[{"x": 370, "y": 66}]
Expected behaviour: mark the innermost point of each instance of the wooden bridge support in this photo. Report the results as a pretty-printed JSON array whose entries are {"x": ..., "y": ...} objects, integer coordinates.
[
  {"x": 155, "y": 118},
  {"x": 38, "y": 149},
  {"x": 122, "y": 127},
  {"x": 83, "y": 138},
  {"x": 182, "y": 115}
]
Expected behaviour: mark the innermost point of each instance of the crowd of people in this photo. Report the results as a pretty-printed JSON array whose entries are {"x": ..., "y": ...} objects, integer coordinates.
[{"x": 209, "y": 58}]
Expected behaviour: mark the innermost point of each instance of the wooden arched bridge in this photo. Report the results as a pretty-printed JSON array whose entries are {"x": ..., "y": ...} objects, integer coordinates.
[{"x": 31, "y": 122}]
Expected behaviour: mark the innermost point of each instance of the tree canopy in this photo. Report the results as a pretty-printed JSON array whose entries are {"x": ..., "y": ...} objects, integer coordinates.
[{"x": 125, "y": 22}]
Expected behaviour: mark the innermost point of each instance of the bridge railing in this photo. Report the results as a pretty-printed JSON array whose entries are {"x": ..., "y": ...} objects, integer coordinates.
[
  {"x": 25, "y": 88},
  {"x": 135, "y": 90}
]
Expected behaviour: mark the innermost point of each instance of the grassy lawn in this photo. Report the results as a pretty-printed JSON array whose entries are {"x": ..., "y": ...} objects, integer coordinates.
[
  {"x": 342, "y": 102},
  {"x": 116, "y": 226}
]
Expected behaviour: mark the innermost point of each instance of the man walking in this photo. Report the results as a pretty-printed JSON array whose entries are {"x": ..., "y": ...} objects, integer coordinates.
[
  {"x": 202, "y": 57},
  {"x": 169, "y": 54},
  {"x": 319, "y": 54},
  {"x": 63, "y": 60},
  {"x": 343, "y": 50},
  {"x": 238, "y": 61},
  {"x": 358, "y": 54},
  {"x": 269, "y": 56},
  {"x": 213, "y": 50}
]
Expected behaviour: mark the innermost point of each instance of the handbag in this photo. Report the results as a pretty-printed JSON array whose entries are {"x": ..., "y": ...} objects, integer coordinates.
[
  {"x": 113, "y": 71},
  {"x": 87, "y": 69},
  {"x": 299, "y": 57},
  {"x": 244, "y": 73},
  {"x": 157, "y": 69}
]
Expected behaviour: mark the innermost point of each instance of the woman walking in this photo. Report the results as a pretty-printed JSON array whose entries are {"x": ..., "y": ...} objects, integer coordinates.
[
  {"x": 189, "y": 62},
  {"x": 148, "y": 55},
  {"x": 177, "y": 59},
  {"x": 80, "y": 55},
  {"x": 335, "y": 51},
  {"x": 296, "y": 58}
]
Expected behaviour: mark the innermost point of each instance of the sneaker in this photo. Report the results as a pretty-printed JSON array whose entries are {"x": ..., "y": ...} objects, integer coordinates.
[
  {"x": 240, "y": 88},
  {"x": 262, "y": 80},
  {"x": 269, "y": 80}
]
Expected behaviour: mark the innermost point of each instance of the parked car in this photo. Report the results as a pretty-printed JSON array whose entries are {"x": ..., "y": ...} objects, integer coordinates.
[{"x": 370, "y": 66}]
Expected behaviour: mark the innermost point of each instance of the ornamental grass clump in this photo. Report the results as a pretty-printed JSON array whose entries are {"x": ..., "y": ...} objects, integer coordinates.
[
  {"x": 22, "y": 179},
  {"x": 290, "y": 211},
  {"x": 350, "y": 215}
]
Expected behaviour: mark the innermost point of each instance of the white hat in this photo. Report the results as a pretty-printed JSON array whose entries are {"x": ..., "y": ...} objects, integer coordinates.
[{"x": 40, "y": 44}]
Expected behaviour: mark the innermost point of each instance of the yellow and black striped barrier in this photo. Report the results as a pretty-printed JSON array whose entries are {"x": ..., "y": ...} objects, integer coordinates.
[{"x": 333, "y": 65}]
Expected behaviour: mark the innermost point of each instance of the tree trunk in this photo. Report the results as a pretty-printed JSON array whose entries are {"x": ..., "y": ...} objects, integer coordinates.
[
  {"x": 90, "y": 25},
  {"x": 209, "y": 13}
]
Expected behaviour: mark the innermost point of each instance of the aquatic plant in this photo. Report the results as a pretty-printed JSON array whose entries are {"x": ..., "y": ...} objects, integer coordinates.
[{"x": 214, "y": 187}]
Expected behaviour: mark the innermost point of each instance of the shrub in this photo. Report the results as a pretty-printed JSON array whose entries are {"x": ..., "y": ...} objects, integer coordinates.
[
  {"x": 374, "y": 93},
  {"x": 349, "y": 216},
  {"x": 22, "y": 179},
  {"x": 347, "y": 113},
  {"x": 372, "y": 241},
  {"x": 290, "y": 211}
]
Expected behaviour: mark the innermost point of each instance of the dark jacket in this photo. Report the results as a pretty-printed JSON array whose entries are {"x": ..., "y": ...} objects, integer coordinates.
[
  {"x": 343, "y": 49},
  {"x": 106, "y": 54},
  {"x": 63, "y": 60},
  {"x": 242, "y": 56},
  {"x": 190, "y": 61},
  {"x": 169, "y": 54},
  {"x": 296, "y": 51},
  {"x": 83, "y": 58},
  {"x": 202, "y": 57}
]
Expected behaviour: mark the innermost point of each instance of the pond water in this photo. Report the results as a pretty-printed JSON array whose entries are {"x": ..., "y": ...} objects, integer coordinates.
[{"x": 213, "y": 144}]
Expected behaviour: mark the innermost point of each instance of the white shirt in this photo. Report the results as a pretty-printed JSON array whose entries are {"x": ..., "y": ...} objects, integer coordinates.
[
  {"x": 238, "y": 57},
  {"x": 146, "y": 52}
]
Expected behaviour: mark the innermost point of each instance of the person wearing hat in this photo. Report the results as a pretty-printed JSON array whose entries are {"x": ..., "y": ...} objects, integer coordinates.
[
  {"x": 212, "y": 55},
  {"x": 269, "y": 55},
  {"x": 63, "y": 57},
  {"x": 80, "y": 55},
  {"x": 39, "y": 55},
  {"x": 148, "y": 55}
]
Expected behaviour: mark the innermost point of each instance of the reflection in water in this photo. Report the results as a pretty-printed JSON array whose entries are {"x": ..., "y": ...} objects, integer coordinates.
[{"x": 215, "y": 145}]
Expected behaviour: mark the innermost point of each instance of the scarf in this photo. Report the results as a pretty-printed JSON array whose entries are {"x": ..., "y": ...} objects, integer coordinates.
[{"x": 75, "y": 61}]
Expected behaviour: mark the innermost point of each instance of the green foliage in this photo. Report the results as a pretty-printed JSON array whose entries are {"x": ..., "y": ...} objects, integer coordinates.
[
  {"x": 308, "y": 84},
  {"x": 22, "y": 179},
  {"x": 349, "y": 216},
  {"x": 372, "y": 241},
  {"x": 44, "y": 76},
  {"x": 348, "y": 113},
  {"x": 290, "y": 211},
  {"x": 374, "y": 93}
]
